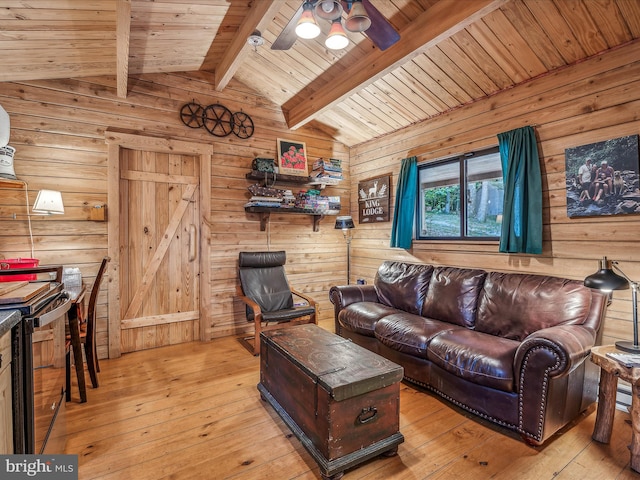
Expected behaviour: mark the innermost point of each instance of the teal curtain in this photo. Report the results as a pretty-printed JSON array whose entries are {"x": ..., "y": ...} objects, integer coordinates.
[
  {"x": 522, "y": 213},
  {"x": 402, "y": 227}
]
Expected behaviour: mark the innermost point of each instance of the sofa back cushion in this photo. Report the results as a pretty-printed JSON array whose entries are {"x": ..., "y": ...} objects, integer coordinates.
[
  {"x": 453, "y": 295},
  {"x": 516, "y": 305},
  {"x": 403, "y": 285}
]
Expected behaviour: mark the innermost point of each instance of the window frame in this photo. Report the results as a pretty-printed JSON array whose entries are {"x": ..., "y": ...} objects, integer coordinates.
[{"x": 462, "y": 160}]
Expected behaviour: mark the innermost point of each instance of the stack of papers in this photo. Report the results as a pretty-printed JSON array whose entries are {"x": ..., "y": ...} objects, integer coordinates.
[{"x": 627, "y": 359}]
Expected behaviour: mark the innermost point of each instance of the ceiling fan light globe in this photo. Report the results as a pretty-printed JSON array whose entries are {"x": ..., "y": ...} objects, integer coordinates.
[
  {"x": 328, "y": 9},
  {"x": 307, "y": 27},
  {"x": 337, "y": 39},
  {"x": 358, "y": 19}
]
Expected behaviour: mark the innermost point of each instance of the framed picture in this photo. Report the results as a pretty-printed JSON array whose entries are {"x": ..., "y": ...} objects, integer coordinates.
[
  {"x": 292, "y": 157},
  {"x": 602, "y": 178},
  {"x": 373, "y": 199}
]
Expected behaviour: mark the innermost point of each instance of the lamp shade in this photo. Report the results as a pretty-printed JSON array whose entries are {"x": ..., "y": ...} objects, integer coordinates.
[
  {"x": 307, "y": 27},
  {"x": 606, "y": 279},
  {"x": 337, "y": 39},
  {"x": 344, "y": 222},
  {"x": 358, "y": 20},
  {"x": 48, "y": 202},
  {"x": 328, "y": 9}
]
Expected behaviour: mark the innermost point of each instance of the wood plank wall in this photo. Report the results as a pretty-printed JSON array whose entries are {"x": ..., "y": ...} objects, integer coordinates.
[
  {"x": 595, "y": 100},
  {"x": 58, "y": 129}
]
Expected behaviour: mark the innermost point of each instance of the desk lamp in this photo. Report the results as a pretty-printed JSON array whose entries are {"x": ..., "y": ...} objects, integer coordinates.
[{"x": 607, "y": 280}]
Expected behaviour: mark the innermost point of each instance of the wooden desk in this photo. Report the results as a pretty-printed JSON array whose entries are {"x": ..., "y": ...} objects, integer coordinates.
[
  {"x": 610, "y": 371},
  {"x": 76, "y": 318}
]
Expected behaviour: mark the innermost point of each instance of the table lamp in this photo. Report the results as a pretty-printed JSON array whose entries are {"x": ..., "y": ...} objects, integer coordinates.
[
  {"x": 345, "y": 223},
  {"x": 607, "y": 280}
]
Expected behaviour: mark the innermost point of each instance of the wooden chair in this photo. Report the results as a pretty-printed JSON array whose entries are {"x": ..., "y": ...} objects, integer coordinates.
[
  {"x": 267, "y": 296},
  {"x": 87, "y": 337}
]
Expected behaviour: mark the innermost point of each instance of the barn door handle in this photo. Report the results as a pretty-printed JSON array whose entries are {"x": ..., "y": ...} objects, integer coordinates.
[
  {"x": 193, "y": 242},
  {"x": 367, "y": 415}
]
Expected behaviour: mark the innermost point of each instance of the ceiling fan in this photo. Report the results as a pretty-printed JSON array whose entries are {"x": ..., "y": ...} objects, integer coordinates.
[{"x": 362, "y": 17}]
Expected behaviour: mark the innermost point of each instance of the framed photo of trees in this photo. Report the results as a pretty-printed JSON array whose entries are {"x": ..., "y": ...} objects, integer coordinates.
[{"x": 602, "y": 178}]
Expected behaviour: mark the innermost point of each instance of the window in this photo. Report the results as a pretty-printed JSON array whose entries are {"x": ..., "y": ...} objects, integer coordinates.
[{"x": 461, "y": 197}]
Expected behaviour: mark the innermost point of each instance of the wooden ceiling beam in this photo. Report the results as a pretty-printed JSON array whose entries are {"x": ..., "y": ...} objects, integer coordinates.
[
  {"x": 123, "y": 32},
  {"x": 260, "y": 16},
  {"x": 441, "y": 21}
]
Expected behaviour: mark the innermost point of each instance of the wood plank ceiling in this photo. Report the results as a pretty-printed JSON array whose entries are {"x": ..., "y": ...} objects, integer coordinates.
[{"x": 451, "y": 52}]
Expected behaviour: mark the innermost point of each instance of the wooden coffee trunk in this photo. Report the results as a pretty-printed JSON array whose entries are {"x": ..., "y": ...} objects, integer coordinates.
[{"x": 341, "y": 400}]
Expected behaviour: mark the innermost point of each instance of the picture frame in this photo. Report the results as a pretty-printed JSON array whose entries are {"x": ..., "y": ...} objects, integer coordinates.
[
  {"x": 373, "y": 199},
  {"x": 292, "y": 158},
  {"x": 602, "y": 178}
]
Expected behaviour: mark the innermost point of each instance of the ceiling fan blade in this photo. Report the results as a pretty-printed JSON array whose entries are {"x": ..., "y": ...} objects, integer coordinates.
[
  {"x": 288, "y": 36},
  {"x": 381, "y": 32}
]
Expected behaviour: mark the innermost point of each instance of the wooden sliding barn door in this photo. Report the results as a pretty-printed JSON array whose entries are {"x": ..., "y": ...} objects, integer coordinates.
[
  {"x": 159, "y": 288},
  {"x": 159, "y": 246}
]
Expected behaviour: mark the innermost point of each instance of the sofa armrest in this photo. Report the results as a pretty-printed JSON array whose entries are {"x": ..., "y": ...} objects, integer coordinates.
[
  {"x": 558, "y": 348},
  {"x": 542, "y": 363},
  {"x": 344, "y": 295}
]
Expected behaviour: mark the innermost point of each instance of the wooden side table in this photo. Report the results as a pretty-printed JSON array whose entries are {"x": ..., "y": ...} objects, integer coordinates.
[{"x": 610, "y": 371}]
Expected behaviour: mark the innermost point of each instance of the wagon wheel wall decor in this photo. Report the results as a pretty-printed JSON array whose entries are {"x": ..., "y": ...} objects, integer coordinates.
[
  {"x": 191, "y": 115},
  {"x": 242, "y": 125},
  {"x": 218, "y": 120}
]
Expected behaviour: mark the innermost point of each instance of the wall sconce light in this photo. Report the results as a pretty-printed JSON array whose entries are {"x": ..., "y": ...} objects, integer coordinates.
[
  {"x": 48, "y": 202},
  {"x": 607, "y": 280},
  {"x": 345, "y": 223}
]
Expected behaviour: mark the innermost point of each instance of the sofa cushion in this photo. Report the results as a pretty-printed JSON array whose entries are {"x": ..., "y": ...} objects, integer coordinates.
[
  {"x": 403, "y": 285},
  {"x": 516, "y": 305},
  {"x": 408, "y": 333},
  {"x": 477, "y": 357},
  {"x": 453, "y": 295},
  {"x": 361, "y": 317}
]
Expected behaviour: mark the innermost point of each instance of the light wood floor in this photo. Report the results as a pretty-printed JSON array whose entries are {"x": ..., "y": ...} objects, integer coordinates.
[{"x": 193, "y": 412}]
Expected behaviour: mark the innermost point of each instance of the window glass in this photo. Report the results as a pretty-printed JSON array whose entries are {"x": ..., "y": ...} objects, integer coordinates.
[{"x": 461, "y": 197}]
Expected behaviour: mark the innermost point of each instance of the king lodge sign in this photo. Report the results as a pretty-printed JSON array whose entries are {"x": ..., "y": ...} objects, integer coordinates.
[{"x": 373, "y": 199}]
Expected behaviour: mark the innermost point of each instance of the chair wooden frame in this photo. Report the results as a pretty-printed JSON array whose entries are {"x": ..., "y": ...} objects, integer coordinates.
[
  {"x": 86, "y": 337},
  {"x": 253, "y": 342}
]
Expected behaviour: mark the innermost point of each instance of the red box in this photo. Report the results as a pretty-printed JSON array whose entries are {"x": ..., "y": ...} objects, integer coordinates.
[{"x": 17, "y": 264}]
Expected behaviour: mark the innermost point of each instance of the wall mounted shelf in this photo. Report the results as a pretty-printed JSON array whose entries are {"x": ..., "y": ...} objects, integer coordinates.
[
  {"x": 272, "y": 178},
  {"x": 265, "y": 212},
  {"x": 6, "y": 183}
]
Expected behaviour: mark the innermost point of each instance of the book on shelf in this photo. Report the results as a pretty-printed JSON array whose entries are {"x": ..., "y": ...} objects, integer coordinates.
[
  {"x": 626, "y": 359},
  {"x": 332, "y": 164}
]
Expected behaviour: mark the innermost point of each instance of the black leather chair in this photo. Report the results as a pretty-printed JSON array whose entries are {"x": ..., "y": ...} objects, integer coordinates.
[{"x": 267, "y": 296}]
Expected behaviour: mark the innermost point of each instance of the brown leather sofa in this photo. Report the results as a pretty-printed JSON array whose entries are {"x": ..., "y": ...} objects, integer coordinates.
[{"x": 510, "y": 348}]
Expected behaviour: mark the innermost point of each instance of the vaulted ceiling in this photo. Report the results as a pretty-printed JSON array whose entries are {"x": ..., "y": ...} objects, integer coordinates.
[{"x": 451, "y": 52}]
